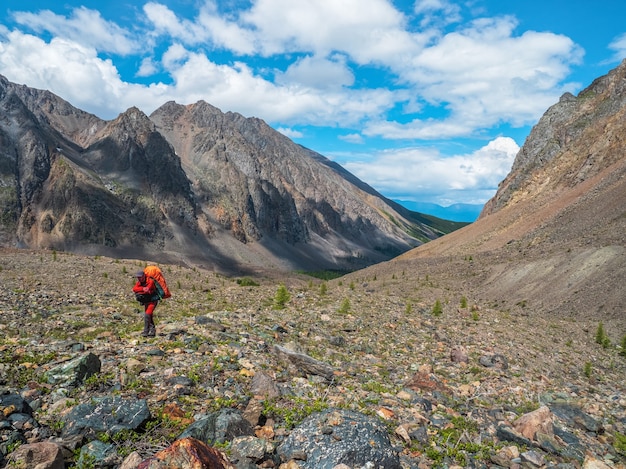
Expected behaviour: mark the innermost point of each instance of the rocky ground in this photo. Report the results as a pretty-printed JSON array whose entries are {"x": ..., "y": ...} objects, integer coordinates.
[{"x": 447, "y": 375}]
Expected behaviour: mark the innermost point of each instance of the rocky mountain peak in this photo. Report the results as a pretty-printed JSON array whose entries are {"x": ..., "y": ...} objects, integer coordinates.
[
  {"x": 203, "y": 108},
  {"x": 193, "y": 183},
  {"x": 132, "y": 124},
  {"x": 50, "y": 110},
  {"x": 570, "y": 129}
]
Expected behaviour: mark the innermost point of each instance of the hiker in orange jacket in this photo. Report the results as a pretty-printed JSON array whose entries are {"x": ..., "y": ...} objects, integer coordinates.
[{"x": 146, "y": 293}]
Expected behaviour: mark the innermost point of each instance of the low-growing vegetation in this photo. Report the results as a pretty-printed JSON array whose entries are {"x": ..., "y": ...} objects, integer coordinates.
[{"x": 383, "y": 335}]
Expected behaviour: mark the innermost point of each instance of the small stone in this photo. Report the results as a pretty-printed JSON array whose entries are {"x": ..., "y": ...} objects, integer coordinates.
[
  {"x": 402, "y": 432},
  {"x": 134, "y": 366},
  {"x": 291, "y": 464},
  {"x": 459, "y": 355},
  {"x": 593, "y": 463},
  {"x": 505, "y": 456},
  {"x": 539, "y": 420},
  {"x": 534, "y": 458}
]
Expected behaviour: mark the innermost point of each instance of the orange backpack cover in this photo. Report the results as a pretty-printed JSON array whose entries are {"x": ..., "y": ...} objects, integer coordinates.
[{"x": 156, "y": 274}]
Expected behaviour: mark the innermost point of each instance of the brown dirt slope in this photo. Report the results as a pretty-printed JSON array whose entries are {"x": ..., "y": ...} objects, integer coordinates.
[{"x": 554, "y": 236}]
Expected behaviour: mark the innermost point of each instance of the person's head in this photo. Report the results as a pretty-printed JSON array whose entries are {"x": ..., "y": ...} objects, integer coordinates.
[{"x": 140, "y": 276}]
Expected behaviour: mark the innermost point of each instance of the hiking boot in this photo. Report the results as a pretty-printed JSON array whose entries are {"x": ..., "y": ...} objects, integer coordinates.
[
  {"x": 147, "y": 320},
  {"x": 151, "y": 327}
]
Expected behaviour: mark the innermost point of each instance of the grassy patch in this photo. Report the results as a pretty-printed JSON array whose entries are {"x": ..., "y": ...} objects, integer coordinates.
[
  {"x": 325, "y": 274},
  {"x": 459, "y": 442},
  {"x": 292, "y": 410},
  {"x": 620, "y": 443},
  {"x": 247, "y": 282}
]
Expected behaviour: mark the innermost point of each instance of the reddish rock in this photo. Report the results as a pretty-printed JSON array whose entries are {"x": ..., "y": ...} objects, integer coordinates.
[
  {"x": 187, "y": 453},
  {"x": 425, "y": 382},
  {"x": 539, "y": 420},
  {"x": 175, "y": 413}
]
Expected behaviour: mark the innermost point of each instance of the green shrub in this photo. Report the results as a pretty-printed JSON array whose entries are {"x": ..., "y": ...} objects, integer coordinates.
[
  {"x": 601, "y": 337},
  {"x": 345, "y": 306},
  {"x": 623, "y": 345},
  {"x": 455, "y": 442},
  {"x": 463, "y": 302},
  {"x": 292, "y": 410},
  {"x": 281, "y": 297},
  {"x": 599, "y": 333},
  {"x": 437, "y": 308},
  {"x": 247, "y": 282},
  {"x": 99, "y": 381}
]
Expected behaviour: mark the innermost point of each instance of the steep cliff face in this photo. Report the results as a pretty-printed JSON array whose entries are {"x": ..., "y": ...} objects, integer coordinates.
[
  {"x": 260, "y": 186},
  {"x": 58, "y": 195},
  {"x": 130, "y": 153},
  {"x": 573, "y": 141},
  {"x": 190, "y": 183},
  {"x": 25, "y": 162}
]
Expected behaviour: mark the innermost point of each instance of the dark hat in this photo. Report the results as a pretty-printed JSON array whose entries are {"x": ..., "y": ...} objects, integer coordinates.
[{"x": 139, "y": 273}]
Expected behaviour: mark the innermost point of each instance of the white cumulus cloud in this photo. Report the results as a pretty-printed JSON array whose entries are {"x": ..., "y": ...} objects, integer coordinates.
[
  {"x": 83, "y": 26},
  {"x": 373, "y": 71},
  {"x": 439, "y": 179},
  {"x": 619, "y": 46}
]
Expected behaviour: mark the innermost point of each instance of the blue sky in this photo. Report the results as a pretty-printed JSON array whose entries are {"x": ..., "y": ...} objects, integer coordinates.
[{"x": 425, "y": 100}]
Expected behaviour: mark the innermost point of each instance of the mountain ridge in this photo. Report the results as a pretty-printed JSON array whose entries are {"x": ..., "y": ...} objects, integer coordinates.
[{"x": 205, "y": 186}]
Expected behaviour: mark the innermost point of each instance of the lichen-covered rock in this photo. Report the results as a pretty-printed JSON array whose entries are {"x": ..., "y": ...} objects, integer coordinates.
[
  {"x": 219, "y": 427},
  {"x": 75, "y": 371},
  {"x": 333, "y": 437},
  {"x": 108, "y": 414}
]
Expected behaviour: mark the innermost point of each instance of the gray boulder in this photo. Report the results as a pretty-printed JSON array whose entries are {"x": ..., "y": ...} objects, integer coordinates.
[
  {"x": 332, "y": 437},
  {"x": 75, "y": 371},
  {"x": 219, "y": 427},
  {"x": 108, "y": 414},
  {"x": 104, "y": 453}
]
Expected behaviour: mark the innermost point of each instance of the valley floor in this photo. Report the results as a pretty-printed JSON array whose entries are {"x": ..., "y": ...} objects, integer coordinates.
[{"x": 392, "y": 339}]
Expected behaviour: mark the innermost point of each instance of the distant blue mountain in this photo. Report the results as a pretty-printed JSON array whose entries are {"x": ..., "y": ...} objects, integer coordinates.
[{"x": 456, "y": 212}]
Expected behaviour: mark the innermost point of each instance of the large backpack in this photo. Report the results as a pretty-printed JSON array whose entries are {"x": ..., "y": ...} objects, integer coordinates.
[{"x": 153, "y": 272}]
